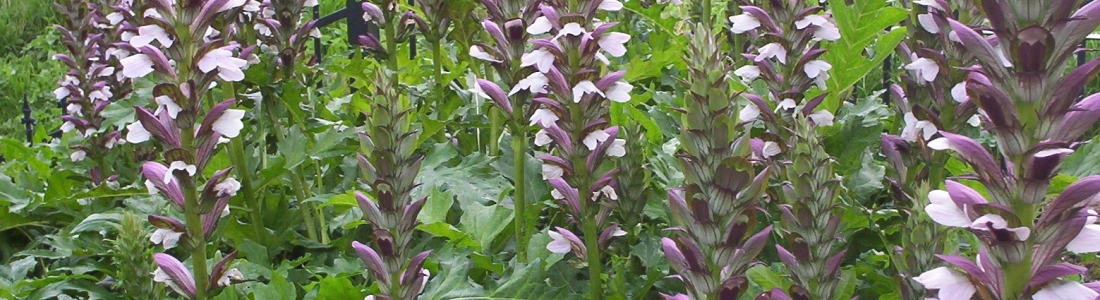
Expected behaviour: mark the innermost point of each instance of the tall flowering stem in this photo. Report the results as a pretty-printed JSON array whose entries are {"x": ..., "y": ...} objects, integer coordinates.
[
  {"x": 572, "y": 94},
  {"x": 184, "y": 48},
  {"x": 717, "y": 239},
  {"x": 1034, "y": 109},
  {"x": 932, "y": 95},
  {"x": 510, "y": 36},
  {"x": 389, "y": 165},
  {"x": 281, "y": 33},
  {"x": 787, "y": 60},
  {"x": 93, "y": 81}
]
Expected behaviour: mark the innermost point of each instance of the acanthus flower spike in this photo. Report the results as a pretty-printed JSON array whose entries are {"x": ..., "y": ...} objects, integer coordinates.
[{"x": 1028, "y": 108}]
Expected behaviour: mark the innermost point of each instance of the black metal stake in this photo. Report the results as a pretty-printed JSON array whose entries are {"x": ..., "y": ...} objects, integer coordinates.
[{"x": 28, "y": 121}]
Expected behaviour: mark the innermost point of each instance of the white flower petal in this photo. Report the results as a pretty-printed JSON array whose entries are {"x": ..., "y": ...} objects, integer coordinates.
[
  {"x": 749, "y": 113},
  {"x": 229, "y": 124},
  {"x": 551, "y": 171},
  {"x": 939, "y": 144},
  {"x": 477, "y": 52},
  {"x": 542, "y": 59},
  {"x": 747, "y": 73},
  {"x": 614, "y": 43},
  {"x": 926, "y": 69},
  {"x": 166, "y": 237},
  {"x": 136, "y": 133},
  {"x": 617, "y": 148},
  {"x": 974, "y": 121},
  {"x": 828, "y": 32},
  {"x": 229, "y": 276},
  {"x": 542, "y": 138},
  {"x": 958, "y": 92},
  {"x": 620, "y": 92},
  {"x": 536, "y": 83},
  {"x": 771, "y": 149},
  {"x": 558, "y": 243},
  {"x": 1065, "y": 290},
  {"x": 1051, "y": 152},
  {"x": 571, "y": 29},
  {"x": 594, "y": 138},
  {"x": 78, "y": 155},
  {"x": 540, "y": 26},
  {"x": 543, "y": 117},
  {"x": 136, "y": 66},
  {"x": 151, "y": 187},
  {"x": 786, "y": 104},
  {"x": 952, "y": 285},
  {"x": 743, "y": 22},
  {"x": 944, "y": 211},
  {"x": 816, "y": 67},
  {"x": 822, "y": 118},
  {"x": 930, "y": 4},
  {"x": 165, "y": 103},
  {"x": 611, "y": 5},
  {"x": 228, "y": 187},
  {"x": 585, "y": 87},
  {"x": 773, "y": 50},
  {"x": 1088, "y": 241},
  {"x": 928, "y": 22},
  {"x": 810, "y": 20},
  {"x": 998, "y": 222},
  {"x": 67, "y": 126}
]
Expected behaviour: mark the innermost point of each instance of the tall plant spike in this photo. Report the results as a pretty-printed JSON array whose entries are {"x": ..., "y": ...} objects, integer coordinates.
[
  {"x": 389, "y": 164},
  {"x": 1034, "y": 109},
  {"x": 509, "y": 24},
  {"x": 178, "y": 45},
  {"x": 717, "y": 213},
  {"x": 788, "y": 60}
]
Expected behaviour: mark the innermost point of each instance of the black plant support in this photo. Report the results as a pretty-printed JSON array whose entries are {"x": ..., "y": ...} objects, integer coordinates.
[
  {"x": 61, "y": 103},
  {"x": 28, "y": 121},
  {"x": 352, "y": 14}
]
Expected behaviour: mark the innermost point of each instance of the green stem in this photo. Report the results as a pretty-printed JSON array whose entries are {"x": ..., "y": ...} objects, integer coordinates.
[
  {"x": 255, "y": 209},
  {"x": 706, "y": 13},
  {"x": 319, "y": 211},
  {"x": 1017, "y": 276},
  {"x": 440, "y": 85},
  {"x": 307, "y": 208},
  {"x": 194, "y": 222},
  {"x": 519, "y": 157},
  {"x": 595, "y": 266},
  {"x": 298, "y": 187},
  {"x": 494, "y": 131}
]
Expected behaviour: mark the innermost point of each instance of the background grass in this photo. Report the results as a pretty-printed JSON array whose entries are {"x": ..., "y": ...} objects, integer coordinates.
[{"x": 27, "y": 40}]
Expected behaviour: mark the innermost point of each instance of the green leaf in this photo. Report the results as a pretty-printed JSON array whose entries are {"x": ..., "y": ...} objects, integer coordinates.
[
  {"x": 860, "y": 25},
  {"x": 97, "y": 222},
  {"x": 868, "y": 180},
  {"x": 1085, "y": 161},
  {"x": 437, "y": 207},
  {"x": 768, "y": 278},
  {"x": 453, "y": 281},
  {"x": 278, "y": 289},
  {"x": 451, "y": 233},
  {"x": 528, "y": 281},
  {"x": 471, "y": 180},
  {"x": 648, "y": 250},
  {"x": 338, "y": 288},
  {"x": 293, "y": 148},
  {"x": 483, "y": 223}
]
